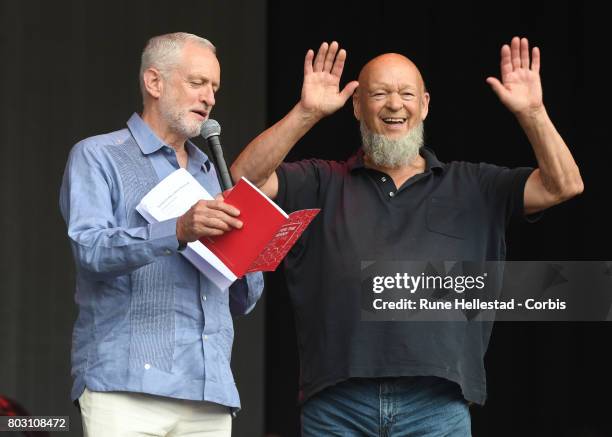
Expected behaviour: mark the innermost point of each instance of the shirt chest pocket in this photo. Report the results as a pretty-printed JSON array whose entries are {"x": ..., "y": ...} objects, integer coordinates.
[{"x": 447, "y": 216}]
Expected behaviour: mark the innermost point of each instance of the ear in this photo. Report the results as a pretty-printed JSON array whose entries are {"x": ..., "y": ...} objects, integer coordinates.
[
  {"x": 424, "y": 106},
  {"x": 153, "y": 82},
  {"x": 356, "y": 105}
]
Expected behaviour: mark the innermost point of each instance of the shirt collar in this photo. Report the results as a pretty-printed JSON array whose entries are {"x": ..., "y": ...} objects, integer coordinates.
[
  {"x": 431, "y": 160},
  {"x": 197, "y": 156},
  {"x": 150, "y": 143}
]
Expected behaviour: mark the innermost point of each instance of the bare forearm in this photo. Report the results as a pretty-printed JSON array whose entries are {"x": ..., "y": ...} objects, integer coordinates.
[
  {"x": 264, "y": 154},
  {"x": 558, "y": 170}
]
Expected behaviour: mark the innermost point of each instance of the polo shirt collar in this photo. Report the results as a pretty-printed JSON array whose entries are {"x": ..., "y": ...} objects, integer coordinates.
[
  {"x": 150, "y": 143},
  {"x": 431, "y": 160}
]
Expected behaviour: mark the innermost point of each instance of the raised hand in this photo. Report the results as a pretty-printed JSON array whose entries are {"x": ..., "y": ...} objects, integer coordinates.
[
  {"x": 520, "y": 89},
  {"x": 321, "y": 95}
]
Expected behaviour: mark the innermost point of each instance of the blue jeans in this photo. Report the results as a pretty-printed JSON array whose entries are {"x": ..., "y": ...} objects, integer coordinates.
[{"x": 423, "y": 406}]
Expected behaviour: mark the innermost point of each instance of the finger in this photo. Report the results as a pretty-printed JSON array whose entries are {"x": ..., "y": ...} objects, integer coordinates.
[
  {"x": 339, "y": 63},
  {"x": 535, "y": 60},
  {"x": 505, "y": 62},
  {"x": 320, "y": 58},
  {"x": 220, "y": 215},
  {"x": 497, "y": 86},
  {"x": 209, "y": 217},
  {"x": 349, "y": 89},
  {"x": 200, "y": 204},
  {"x": 515, "y": 53},
  {"x": 219, "y": 197},
  {"x": 220, "y": 205},
  {"x": 308, "y": 62},
  {"x": 226, "y": 192},
  {"x": 331, "y": 56},
  {"x": 200, "y": 225},
  {"x": 215, "y": 223},
  {"x": 229, "y": 221},
  {"x": 211, "y": 232},
  {"x": 524, "y": 53},
  {"x": 234, "y": 223}
]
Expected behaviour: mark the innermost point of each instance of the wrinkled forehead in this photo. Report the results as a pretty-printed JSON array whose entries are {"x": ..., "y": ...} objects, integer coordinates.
[
  {"x": 197, "y": 63},
  {"x": 391, "y": 69},
  {"x": 194, "y": 57}
]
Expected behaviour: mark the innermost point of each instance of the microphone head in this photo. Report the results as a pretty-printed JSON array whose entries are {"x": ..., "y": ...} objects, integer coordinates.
[{"x": 210, "y": 128}]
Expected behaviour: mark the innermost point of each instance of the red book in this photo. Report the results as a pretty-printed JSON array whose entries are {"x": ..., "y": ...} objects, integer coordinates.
[{"x": 266, "y": 235}]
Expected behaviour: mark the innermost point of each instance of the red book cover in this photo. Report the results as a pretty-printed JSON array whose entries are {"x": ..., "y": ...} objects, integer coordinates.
[{"x": 266, "y": 235}]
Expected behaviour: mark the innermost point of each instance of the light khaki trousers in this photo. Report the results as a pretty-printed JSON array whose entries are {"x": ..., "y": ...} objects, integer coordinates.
[{"x": 123, "y": 414}]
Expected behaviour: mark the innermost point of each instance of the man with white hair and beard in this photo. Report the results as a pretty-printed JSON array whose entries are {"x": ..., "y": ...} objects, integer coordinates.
[
  {"x": 152, "y": 342},
  {"x": 394, "y": 200}
]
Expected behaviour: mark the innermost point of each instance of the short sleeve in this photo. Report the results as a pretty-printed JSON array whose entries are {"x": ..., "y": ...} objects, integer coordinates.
[
  {"x": 504, "y": 191},
  {"x": 300, "y": 184}
]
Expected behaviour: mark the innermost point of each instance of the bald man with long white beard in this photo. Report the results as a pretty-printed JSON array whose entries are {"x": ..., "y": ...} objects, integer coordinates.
[{"x": 394, "y": 200}]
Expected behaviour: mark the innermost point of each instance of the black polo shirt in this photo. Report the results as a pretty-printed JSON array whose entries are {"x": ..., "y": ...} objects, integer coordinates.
[{"x": 451, "y": 211}]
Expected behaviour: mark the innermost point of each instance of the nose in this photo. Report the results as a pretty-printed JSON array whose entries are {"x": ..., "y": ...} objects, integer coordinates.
[
  {"x": 394, "y": 102},
  {"x": 208, "y": 96}
]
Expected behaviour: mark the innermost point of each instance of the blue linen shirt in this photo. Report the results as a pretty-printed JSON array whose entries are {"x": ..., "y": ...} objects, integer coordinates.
[{"x": 148, "y": 321}]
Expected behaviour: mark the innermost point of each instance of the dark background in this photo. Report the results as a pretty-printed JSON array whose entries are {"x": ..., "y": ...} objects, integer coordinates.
[
  {"x": 544, "y": 379},
  {"x": 69, "y": 70}
]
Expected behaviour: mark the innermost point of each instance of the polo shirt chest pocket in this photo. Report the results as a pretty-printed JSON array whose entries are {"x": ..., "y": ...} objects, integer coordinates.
[{"x": 447, "y": 216}]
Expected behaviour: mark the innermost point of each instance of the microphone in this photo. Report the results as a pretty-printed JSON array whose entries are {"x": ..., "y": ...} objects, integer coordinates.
[{"x": 211, "y": 130}]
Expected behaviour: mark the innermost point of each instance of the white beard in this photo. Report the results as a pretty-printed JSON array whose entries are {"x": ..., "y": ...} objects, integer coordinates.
[
  {"x": 392, "y": 152},
  {"x": 177, "y": 118}
]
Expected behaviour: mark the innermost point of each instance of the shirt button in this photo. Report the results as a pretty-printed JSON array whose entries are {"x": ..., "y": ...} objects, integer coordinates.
[
  {"x": 384, "y": 179},
  {"x": 206, "y": 337},
  {"x": 203, "y": 297},
  {"x": 147, "y": 366},
  {"x": 391, "y": 194},
  {"x": 168, "y": 252}
]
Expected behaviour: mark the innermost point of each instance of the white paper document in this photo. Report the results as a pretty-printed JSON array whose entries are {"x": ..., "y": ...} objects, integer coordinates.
[{"x": 172, "y": 198}]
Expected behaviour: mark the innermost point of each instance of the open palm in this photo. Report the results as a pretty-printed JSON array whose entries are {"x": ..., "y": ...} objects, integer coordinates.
[
  {"x": 321, "y": 93},
  {"x": 520, "y": 89}
]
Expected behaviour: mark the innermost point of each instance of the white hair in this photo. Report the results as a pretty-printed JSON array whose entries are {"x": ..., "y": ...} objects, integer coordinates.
[
  {"x": 392, "y": 152},
  {"x": 163, "y": 51}
]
